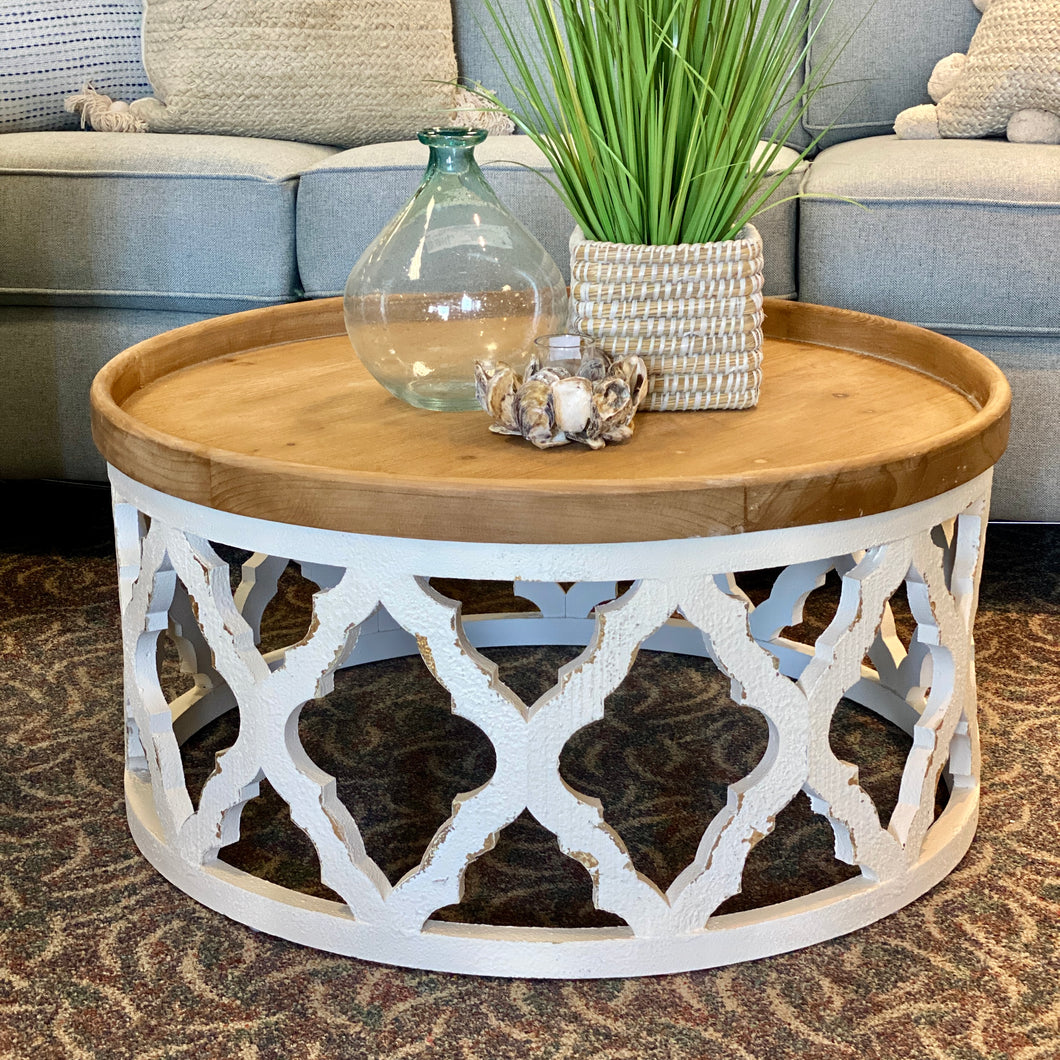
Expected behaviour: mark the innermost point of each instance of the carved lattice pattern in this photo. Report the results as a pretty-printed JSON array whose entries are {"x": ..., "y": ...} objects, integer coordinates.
[
  {"x": 173, "y": 582},
  {"x": 375, "y": 601}
]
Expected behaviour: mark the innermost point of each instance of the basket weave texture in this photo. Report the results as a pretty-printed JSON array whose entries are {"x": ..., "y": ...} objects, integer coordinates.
[{"x": 693, "y": 311}]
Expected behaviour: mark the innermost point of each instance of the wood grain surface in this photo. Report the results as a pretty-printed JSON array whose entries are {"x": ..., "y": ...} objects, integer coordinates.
[{"x": 269, "y": 413}]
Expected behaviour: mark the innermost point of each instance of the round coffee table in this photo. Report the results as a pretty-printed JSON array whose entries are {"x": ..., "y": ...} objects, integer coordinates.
[{"x": 869, "y": 454}]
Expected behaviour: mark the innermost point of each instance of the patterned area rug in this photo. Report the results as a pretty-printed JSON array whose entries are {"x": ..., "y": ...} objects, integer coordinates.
[{"x": 101, "y": 957}]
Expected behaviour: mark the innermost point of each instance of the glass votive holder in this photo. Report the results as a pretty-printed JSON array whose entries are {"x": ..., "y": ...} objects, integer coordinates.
[{"x": 566, "y": 351}]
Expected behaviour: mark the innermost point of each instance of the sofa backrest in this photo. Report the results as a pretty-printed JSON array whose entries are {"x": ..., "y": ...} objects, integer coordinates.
[
  {"x": 889, "y": 48},
  {"x": 476, "y": 37}
]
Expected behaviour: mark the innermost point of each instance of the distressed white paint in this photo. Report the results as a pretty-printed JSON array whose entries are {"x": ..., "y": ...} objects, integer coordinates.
[{"x": 375, "y": 602}]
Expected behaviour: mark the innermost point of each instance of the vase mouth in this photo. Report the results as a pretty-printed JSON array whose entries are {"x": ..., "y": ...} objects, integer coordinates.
[{"x": 452, "y": 136}]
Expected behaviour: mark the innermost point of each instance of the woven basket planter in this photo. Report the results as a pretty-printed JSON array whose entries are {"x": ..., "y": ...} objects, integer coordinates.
[{"x": 692, "y": 311}]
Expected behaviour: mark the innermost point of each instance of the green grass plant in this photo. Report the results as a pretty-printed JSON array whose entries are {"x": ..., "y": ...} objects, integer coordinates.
[{"x": 651, "y": 112}]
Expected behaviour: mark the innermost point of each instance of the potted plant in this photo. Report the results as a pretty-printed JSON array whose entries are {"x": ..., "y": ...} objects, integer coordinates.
[{"x": 653, "y": 116}]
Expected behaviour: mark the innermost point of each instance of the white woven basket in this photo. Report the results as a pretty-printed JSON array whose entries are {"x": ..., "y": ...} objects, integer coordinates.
[{"x": 693, "y": 311}]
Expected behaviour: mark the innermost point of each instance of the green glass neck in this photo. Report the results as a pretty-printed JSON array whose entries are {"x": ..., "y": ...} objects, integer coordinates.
[{"x": 452, "y": 151}]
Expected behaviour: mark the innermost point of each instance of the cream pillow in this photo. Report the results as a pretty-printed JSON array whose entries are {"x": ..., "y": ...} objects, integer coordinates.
[
  {"x": 1008, "y": 82},
  {"x": 339, "y": 72}
]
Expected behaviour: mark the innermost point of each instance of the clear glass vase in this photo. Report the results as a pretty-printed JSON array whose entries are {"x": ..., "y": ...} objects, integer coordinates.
[{"x": 452, "y": 279}]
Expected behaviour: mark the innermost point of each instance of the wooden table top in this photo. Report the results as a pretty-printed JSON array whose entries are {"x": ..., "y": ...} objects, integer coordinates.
[{"x": 270, "y": 414}]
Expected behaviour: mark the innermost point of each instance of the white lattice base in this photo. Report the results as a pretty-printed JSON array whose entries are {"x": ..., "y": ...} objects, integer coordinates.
[{"x": 375, "y": 602}]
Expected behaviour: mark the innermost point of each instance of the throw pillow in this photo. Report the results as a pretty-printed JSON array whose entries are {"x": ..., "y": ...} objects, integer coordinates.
[
  {"x": 1009, "y": 82},
  {"x": 333, "y": 72},
  {"x": 51, "y": 48}
]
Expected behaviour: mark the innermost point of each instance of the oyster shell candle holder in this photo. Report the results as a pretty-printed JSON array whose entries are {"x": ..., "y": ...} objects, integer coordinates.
[{"x": 590, "y": 400}]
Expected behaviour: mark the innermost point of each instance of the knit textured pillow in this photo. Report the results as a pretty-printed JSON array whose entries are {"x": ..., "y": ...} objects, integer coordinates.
[
  {"x": 339, "y": 72},
  {"x": 52, "y": 48},
  {"x": 1008, "y": 82}
]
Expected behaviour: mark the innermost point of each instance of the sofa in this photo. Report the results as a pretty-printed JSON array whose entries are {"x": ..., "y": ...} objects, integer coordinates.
[{"x": 107, "y": 238}]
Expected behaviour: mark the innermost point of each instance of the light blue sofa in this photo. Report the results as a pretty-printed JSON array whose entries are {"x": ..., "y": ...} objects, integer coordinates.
[
  {"x": 961, "y": 236},
  {"x": 106, "y": 239}
]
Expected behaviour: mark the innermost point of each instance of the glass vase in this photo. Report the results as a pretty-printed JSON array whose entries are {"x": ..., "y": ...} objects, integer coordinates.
[{"x": 452, "y": 279}]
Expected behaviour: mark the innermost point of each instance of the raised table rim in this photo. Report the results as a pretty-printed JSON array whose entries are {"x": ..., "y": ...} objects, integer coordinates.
[{"x": 639, "y": 508}]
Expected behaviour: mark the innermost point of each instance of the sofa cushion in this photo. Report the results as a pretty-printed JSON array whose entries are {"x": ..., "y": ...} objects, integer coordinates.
[
  {"x": 940, "y": 222},
  {"x": 198, "y": 224},
  {"x": 883, "y": 52},
  {"x": 49, "y": 49},
  {"x": 309, "y": 70},
  {"x": 345, "y": 201}
]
